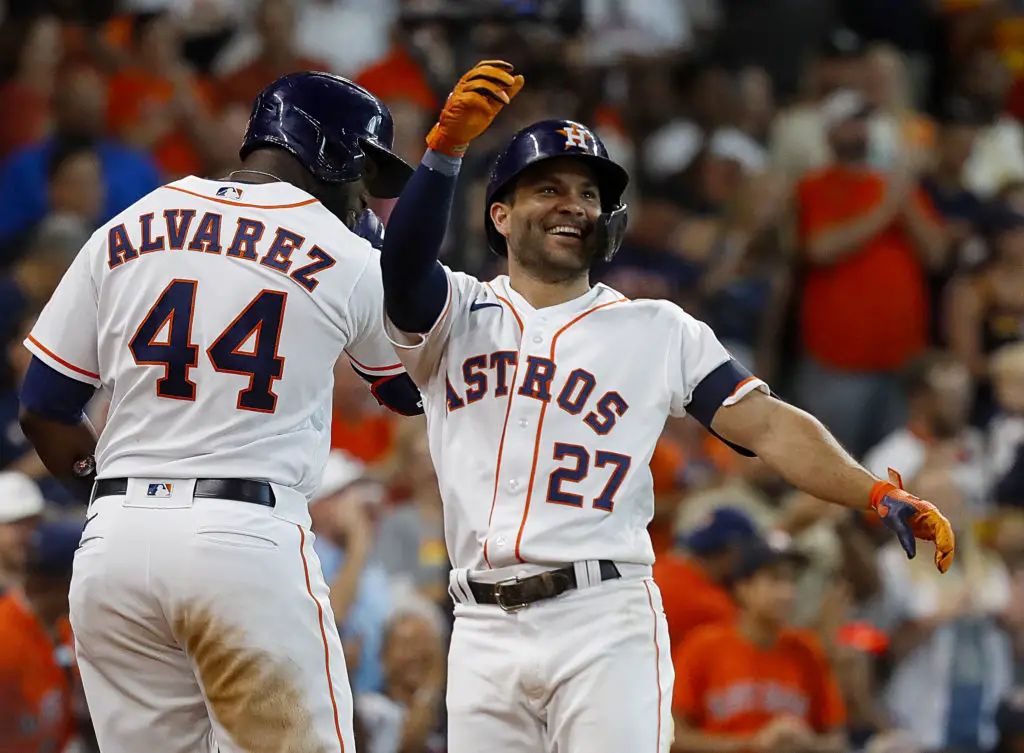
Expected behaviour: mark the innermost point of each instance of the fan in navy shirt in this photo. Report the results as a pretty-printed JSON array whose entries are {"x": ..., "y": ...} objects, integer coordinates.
[{"x": 79, "y": 109}]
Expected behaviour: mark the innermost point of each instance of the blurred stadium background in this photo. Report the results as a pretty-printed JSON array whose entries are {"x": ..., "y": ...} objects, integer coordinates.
[{"x": 836, "y": 186}]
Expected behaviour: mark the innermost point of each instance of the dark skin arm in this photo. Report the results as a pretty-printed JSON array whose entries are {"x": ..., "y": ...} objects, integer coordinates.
[
  {"x": 798, "y": 447},
  {"x": 60, "y": 446}
]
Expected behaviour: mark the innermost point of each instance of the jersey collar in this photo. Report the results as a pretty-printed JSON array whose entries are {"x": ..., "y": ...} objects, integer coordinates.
[
  {"x": 597, "y": 294},
  {"x": 264, "y": 195}
]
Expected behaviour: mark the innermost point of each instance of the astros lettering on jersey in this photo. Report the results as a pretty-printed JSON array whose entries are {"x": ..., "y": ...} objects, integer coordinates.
[
  {"x": 542, "y": 422},
  {"x": 139, "y": 331}
]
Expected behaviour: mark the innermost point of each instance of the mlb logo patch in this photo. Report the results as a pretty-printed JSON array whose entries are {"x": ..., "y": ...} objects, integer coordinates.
[
  {"x": 230, "y": 192},
  {"x": 159, "y": 490}
]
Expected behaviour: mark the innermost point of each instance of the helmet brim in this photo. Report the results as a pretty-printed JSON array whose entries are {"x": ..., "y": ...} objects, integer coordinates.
[{"x": 392, "y": 172}]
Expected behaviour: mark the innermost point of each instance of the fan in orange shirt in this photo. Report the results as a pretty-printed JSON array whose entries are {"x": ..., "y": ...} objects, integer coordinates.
[
  {"x": 692, "y": 580},
  {"x": 158, "y": 105},
  {"x": 757, "y": 686},
  {"x": 39, "y": 688}
]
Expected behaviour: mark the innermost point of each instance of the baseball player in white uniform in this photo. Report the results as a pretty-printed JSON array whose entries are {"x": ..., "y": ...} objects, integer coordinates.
[
  {"x": 212, "y": 313},
  {"x": 544, "y": 397}
]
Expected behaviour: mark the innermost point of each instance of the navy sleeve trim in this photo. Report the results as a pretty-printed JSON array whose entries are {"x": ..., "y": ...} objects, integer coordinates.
[
  {"x": 53, "y": 395},
  {"x": 415, "y": 283},
  {"x": 397, "y": 392},
  {"x": 715, "y": 389}
]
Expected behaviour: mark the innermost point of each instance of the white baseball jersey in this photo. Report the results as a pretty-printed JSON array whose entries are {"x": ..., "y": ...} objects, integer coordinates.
[
  {"x": 542, "y": 423},
  {"x": 213, "y": 314}
]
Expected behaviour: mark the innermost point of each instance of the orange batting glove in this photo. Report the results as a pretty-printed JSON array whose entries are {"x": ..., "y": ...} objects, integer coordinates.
[
  {"x": 472, "y": 105},
  {"x": 911, "y": 518}
]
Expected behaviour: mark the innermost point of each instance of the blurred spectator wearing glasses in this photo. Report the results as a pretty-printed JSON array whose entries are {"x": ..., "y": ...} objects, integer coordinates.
[
  {"x": 867, "y": 238},
  {"x": 40, "y": 692},
  {"x": 79, "y": 110}
]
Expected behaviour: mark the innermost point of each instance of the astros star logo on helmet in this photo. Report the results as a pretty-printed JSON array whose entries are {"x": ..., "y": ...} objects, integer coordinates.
[{"x": 575, "y": 136}]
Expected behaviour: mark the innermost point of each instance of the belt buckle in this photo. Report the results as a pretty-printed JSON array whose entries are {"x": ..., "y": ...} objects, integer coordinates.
[{"x": 499, "y": 598}]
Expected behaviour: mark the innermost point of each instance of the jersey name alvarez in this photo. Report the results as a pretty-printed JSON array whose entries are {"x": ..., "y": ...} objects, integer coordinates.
[
  {"x": 214, "y": 326},
  {"x": 542, "y": 423},
  {"x": 244, "y": 238}
]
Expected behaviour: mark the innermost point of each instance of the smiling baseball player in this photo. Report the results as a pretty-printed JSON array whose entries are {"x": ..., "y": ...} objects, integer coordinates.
[
  {"x": 544, "y": 398},
  {"x": 212, "y": 312}
]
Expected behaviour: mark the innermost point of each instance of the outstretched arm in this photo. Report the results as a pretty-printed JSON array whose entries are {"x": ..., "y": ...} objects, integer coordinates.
[{"x": 801, "y": 450}]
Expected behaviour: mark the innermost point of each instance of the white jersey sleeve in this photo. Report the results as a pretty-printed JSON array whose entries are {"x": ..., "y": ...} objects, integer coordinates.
[
  {"x": 65, "y": 336},
  {"x": 422, "y": 354},
  {"x": 702, "y": 374},
  {"x": 369, "y": 348}
]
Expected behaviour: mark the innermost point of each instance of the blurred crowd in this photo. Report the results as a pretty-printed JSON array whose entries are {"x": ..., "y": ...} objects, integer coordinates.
[{"x": 836, "y": 187}]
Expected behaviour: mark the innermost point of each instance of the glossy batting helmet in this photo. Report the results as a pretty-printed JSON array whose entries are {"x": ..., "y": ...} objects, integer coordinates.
[
  {"x": 332, "y": 126},
  {"x": 551, "y": 139}
]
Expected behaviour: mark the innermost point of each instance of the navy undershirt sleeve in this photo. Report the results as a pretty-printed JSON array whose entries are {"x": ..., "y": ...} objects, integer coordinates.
[
  {"x": 715, "y": 389},
  {"x": 53, "y": 395},
  {"x": 415, "y": 283}
]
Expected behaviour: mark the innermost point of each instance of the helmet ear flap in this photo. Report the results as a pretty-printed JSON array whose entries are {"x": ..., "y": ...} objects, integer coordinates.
[
  {"x": 341, "y": 164},
  {"x": 611, "y": 230}
]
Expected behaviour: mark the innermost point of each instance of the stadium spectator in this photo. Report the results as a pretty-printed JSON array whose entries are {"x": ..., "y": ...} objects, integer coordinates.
[
  {"x": 79, "y": 113},
  {"x": 343, "y": 522},
  {"x": 866, "y": 238},
  {"x": 986, "y": 306},
  {"x": 952, "y": 660},
  {"x": 757, "y": 684},
  {"x": 39, "y": 686},
  {"x": 937, "y": 389},
  {"x": 410, "y": 536},
  {"x": 403, "y": 717},
  {"x": 21, "y": 506},
  {"x": 693, "y": 577},
  {"x": 160, "y": 105},
  {"x": 276, "y": 57}
]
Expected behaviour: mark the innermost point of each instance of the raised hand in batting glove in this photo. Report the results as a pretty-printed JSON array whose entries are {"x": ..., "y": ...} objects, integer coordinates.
[
  {"x": 911, "y": 518},
  {"x": 472, "y": 105}
]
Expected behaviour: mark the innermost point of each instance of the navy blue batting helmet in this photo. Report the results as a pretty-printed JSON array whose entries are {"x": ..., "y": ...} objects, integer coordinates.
[
  {"x": 332, "y": 126},
  {"x": 550, "y": 139}
]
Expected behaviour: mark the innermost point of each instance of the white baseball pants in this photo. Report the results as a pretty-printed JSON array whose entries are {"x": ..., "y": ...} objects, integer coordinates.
[
  {"x": 205, "y": 625},
  {"x": 587, "y": 671}
]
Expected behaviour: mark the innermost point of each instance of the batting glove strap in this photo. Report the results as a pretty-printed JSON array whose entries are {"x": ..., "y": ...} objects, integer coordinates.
[{"x": 912, "y": 518}]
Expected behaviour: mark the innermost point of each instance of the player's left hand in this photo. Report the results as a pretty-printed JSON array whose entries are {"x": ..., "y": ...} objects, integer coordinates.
[
  {"x": 473, "y": 104},
  {"x": 912, "y": 518}
]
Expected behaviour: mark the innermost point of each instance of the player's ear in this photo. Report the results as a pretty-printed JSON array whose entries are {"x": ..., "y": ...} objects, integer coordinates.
[{"x": 500, "y": 217}]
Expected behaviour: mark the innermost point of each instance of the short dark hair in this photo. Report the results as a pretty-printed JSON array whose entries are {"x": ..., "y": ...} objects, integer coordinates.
[
  {"x": 66, "y": 149},
  {"x": 916, "y": 376}
]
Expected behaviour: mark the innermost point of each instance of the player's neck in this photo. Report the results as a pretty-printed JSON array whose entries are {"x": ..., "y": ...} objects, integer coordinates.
[
  {"x": 762, "y": 634},
  {"x": 541, "y": 294}
]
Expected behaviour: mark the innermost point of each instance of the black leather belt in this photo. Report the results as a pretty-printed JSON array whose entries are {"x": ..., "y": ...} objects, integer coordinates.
[
  {"x": 516, "y": 593},
  {"x": 235, "y": 489}
]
